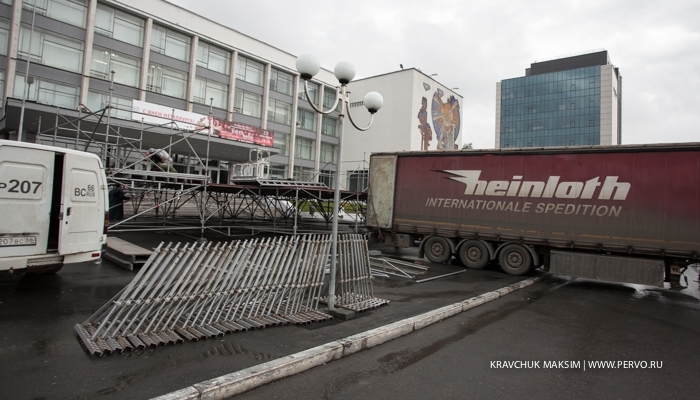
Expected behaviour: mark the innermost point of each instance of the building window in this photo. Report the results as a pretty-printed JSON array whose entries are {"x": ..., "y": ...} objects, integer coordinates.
[
  {"x": 170, "y": 43},
  {"x": 48, "y": 92},
  {"x": 278, "y": 171},
  {"x": 330, "y": 126},
  {"x": 250, "y": 71},
  {"x": 357, "y": 180},
  {"x": 248, "y": 103},
  {"x": 72, "y": 12},
  {"x": 591, "y": 103},
  {"x": 167, "y": 81},
  {"x": 591, "y": 122},
  {"x": 4, "y": 35},
  {"x": 327, "y": 177},
  {"x": 213, "y": 58},
  {"x": 328, "y": 152},
  {"x": 281, "y": 82},
  {"x": 306, "y": 120},
  {"x": 305, "y": 148},
  {"x": 206, "y": 89},
  {"x": 279, "y": 112},
  {"x": 303, "y": 174},
  {"x": 99, "y": 100},
  {"x": 572, "y": 106},
  {"x": 51, "y": 49},
  {"x": 313, "y": 92},
  {"x": 329, "y": 99},
  {"x": 127, "y": 69},
  {"x": 282, "y": 143},
  {"x": 119, "y": 25}
]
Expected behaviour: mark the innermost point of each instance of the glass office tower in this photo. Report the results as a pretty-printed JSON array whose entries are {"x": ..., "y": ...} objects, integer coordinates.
[{"x": 573, "y": 101}]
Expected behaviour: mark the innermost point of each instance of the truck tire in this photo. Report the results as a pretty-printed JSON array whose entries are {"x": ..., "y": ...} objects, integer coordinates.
[
  {"x": 515, "y": 259},
  {"x": 473, "y": 254},
  {"x": 437, "y": 249}
]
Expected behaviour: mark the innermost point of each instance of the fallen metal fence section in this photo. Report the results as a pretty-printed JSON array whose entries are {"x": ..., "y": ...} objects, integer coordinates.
[
  {"x": 354, "y": 283},
  {"x": 384, "y": 266},
  {"x": 203, "y": 290}
]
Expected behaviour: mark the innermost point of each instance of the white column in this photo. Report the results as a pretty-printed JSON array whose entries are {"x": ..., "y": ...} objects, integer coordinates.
[
  {"x": 293, "y": 134},
  {"x": 13, "y": 49},
  {"x": 232, "y": 85},
  {"x": 145, "y": 58},
  {"x": 193, "y": 72},
  {"x": 266, "y": 95},
  {"x": 87, "y": 54}
]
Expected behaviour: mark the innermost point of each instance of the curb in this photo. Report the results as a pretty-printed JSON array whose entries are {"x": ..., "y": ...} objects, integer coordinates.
[{"x": 246, "y": 379}]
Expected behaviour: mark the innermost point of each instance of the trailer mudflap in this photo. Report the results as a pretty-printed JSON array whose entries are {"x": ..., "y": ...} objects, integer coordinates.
[{"x": 608, "y": 268}]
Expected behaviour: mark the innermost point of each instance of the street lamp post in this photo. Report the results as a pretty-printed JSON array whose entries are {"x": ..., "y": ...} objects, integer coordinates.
[{"x": 308, "y": 66}]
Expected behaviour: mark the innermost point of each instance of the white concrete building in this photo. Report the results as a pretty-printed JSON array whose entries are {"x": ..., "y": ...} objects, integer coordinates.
[{"x": 419, "y": 113}]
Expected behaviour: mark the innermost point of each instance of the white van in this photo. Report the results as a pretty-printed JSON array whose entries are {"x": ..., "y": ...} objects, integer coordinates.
[{"x": 53, "y": 207}]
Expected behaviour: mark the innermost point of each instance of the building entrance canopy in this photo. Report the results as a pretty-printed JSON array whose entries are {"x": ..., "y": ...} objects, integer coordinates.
[{"x": 82, "y": 125}]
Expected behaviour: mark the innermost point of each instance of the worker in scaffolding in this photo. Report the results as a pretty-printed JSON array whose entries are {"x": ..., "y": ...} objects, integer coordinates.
[{"x": 161, "y": 159}]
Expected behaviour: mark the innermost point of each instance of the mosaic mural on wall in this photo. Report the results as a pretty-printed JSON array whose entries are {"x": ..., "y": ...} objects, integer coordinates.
[{"x": 445, "y": 119}]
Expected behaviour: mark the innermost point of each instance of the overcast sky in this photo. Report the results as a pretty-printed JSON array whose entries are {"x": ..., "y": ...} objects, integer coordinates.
[{"x": 471, "y": 45}]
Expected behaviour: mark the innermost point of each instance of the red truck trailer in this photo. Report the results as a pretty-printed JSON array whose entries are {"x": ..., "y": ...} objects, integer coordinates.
[{"x": 617, "y": 213}]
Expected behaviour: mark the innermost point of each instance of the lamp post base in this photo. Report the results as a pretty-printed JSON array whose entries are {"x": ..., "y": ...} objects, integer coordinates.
[{"x": 341, "y": 313}]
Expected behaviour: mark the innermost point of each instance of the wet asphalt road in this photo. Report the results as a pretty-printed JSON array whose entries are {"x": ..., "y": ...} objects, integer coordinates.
[
  {"x": 578, "y": 323},
  {"x": 550, "y": 321}
]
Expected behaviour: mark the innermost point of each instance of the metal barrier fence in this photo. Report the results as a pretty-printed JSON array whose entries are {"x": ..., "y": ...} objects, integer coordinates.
[
  {"x": 204, "y": 290},
  {"x": 354, "y": 284},
  {"x": 198, "y": 291}
]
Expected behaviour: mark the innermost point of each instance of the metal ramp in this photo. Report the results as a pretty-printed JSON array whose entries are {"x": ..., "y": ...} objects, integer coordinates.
[{"x": 126, "y": 254}]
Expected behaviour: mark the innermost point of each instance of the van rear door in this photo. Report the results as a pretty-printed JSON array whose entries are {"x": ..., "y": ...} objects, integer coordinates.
[
  {"x": 26, "y": 183},
  {"x": 82, "y": 223}
]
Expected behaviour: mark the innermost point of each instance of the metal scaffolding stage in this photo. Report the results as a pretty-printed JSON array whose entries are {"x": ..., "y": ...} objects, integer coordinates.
[
  {"x": 178, "y": 202},
  {"x": 249, "y": 201}
]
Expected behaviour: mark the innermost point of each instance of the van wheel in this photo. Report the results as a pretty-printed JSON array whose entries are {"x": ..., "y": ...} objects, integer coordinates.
[
  {"x": 515, "y": 259},
  {"x": 473, "y": 254},
  {"x": 437, "y": 249}
]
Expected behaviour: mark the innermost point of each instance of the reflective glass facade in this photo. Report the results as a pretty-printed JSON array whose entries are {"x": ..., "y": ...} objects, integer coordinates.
[{"x": 553, "y": 109}]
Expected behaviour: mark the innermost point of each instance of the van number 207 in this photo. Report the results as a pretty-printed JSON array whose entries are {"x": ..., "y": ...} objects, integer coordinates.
[{"x": 17, "y": 186}]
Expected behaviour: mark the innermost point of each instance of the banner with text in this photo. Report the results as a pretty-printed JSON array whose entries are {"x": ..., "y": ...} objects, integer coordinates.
[
  {"x": 163, "y": 115},
  {"x": 188, "y": 121},
  {"x": 242, "y": 132}
]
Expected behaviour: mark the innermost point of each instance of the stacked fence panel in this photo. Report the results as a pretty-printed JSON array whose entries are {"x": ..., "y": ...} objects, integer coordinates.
[
  {"x": 354, "y": 283},
  {"x": 205, "y": 290}
]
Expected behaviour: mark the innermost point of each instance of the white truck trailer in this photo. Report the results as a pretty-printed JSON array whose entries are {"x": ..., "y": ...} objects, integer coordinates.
[{"x": 53, "y": 207}]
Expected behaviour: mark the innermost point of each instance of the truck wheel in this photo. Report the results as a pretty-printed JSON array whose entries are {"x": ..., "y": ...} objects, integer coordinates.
[
  {"x": 437, "y": 250},
  {"x": 473, "y": 254},
  {"x": 515, "y": 259}
]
